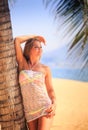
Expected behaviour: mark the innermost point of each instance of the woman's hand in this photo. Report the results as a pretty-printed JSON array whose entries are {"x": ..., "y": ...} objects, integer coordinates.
[
  {"x": 40, "y": 38},
  {"x": 51, "y": 110}
]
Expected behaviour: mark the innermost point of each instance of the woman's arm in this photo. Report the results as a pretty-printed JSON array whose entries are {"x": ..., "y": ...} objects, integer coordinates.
[
  {"x": 51, "y": 93},
  {"x": 19, "y": 54}
]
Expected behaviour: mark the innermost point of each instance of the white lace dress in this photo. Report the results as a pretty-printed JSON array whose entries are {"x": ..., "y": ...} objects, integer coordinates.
[{"x": 35, "y": 97}]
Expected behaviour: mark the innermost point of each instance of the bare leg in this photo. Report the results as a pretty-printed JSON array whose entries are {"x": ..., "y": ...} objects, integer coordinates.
[
  {"x": 33, "y": 125},
  {"x": 44, "y": 123}
]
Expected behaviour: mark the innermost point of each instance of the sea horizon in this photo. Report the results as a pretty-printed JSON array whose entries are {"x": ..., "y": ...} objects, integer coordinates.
[{"x": 71, "y": 74}]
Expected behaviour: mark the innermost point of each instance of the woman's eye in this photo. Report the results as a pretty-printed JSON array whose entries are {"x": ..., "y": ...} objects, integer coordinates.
[{"x": 36, "y": 47}]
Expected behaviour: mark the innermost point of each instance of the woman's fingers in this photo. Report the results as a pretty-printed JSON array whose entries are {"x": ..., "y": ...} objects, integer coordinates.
[
  {"x": 41, "y": 39},
  {"x": 51, "y": 114},
  {"x": 51, "y": 111}
]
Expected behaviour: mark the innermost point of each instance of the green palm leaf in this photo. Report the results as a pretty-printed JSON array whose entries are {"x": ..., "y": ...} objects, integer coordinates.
[{"x": 75, "y": 19}]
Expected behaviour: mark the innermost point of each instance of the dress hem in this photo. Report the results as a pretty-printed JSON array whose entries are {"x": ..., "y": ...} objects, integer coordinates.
[{"x": 36, "y": 118}]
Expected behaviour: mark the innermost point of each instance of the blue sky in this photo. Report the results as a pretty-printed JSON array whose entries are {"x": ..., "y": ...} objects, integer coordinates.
[{"x": 31, "y": 17}]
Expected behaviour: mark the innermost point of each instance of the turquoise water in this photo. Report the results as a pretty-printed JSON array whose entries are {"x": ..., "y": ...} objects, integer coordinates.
[{"x": 74, "y": 74}]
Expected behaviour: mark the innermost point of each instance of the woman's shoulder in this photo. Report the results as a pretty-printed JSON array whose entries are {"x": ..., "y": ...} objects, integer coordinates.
[{"x": 46, "y": 68}]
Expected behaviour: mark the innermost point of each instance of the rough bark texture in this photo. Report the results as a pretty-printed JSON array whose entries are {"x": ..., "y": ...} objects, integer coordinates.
[{"x": 11, "y": 108}]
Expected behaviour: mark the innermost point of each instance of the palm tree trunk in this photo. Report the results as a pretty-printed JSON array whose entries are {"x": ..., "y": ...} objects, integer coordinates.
[{"x": 11, "y": 108}]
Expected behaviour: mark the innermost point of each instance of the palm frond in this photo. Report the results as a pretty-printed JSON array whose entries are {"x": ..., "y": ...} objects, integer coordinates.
[
  {"x": 75, "y": 21},
  {"x": 11, "y": 2}
]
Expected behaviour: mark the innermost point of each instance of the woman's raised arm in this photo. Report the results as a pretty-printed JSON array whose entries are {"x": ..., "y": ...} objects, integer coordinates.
[{"x": 19, "y": 53}]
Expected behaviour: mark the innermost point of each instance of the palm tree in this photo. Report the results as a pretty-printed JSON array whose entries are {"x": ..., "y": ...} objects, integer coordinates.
[
  {"x": 11, "y": 108},
  {"x": 75, "y": 19}
]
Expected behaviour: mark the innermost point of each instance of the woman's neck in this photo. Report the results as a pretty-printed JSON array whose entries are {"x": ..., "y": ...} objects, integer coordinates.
[
  {"x": 33, "y": 60},
  {"x": 33, "y": 63}
]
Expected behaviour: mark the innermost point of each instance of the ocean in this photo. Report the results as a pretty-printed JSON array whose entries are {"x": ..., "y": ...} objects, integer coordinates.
[
  {"x": 73, "y": 74},
  {"x": 64, "y": 68}
]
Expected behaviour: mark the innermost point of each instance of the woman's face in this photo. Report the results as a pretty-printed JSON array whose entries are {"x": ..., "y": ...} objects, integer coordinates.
[{"x": 36, "y": 50}]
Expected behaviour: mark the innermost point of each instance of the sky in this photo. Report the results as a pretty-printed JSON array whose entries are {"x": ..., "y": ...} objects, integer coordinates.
[{"x": 31, "y": 17}]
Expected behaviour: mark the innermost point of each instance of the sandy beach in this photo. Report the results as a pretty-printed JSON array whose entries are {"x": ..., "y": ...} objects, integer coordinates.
[{"x": 72, "y": 105}]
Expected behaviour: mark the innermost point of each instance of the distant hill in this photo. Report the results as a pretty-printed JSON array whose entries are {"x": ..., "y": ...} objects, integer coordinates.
[{"x": 55, "y": 57}]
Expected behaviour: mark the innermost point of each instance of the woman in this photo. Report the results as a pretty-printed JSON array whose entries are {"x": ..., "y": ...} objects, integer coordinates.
[{"x": 35, "y": 81}]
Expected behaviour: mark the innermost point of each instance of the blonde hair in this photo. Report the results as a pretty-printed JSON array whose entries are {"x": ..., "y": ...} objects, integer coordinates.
[{"x": 28, "y": 46}]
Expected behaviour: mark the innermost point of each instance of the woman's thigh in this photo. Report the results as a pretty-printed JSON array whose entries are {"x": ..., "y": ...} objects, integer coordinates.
[
  {"x": 44, "y": 123},
  {"x": 33, "y": 125}
]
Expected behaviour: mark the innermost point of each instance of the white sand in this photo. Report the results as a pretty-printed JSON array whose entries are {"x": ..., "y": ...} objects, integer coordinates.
[{"x": 72, "y": 105}]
